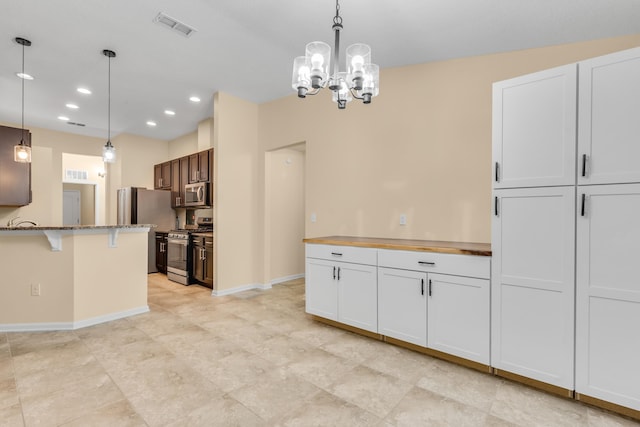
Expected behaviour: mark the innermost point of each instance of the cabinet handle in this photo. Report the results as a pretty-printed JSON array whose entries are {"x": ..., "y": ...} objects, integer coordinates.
[
  {"x": 334, "y": 272},
  {"x": 338, "y": 273},
  {"x": 584, "y": 165},
  {"x": 429, "y": 287},
  {"x": 336, "y": 254},
  {"x": 422, "y": 286},
  {"x": 426, "y": 263},
  {"x": 584, "y": 196},
  {"x": 497, "y": 172},
  {"x": 495, "y": 206}
]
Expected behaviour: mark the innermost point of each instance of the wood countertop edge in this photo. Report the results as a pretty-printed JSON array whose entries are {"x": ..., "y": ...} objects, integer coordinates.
[{"x": 456, "y": 248}]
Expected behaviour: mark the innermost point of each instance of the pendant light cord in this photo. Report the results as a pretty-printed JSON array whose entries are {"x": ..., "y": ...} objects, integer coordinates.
[
  {"x": 109, "y": 106},
  {"x": 22, "y": 123}
]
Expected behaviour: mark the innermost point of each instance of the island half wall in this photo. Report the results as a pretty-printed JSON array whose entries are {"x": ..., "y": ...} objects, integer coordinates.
[{"x": 61, "y": 278}]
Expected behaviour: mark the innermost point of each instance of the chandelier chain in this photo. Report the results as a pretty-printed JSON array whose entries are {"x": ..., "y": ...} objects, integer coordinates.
[{"x": 337, "y": 20}]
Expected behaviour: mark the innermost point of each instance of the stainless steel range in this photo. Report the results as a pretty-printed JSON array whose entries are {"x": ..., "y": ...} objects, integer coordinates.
[
  {"x": 178, "y": 256},
  {"x": 179, "y": 251}
]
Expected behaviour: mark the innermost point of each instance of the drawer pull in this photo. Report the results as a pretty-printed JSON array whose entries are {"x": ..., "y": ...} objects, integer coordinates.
[
  {"x": 426, "y": 263},
  {"x": 336, "y": 254}
]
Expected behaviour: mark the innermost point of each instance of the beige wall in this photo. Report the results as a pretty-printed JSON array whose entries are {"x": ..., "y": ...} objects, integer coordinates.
[
  {"x": 422, "y": 148},
  {"x": 183, "y": 146},
  {"x": 284, "y": 214},
  {"x": 236, "y": 189}
]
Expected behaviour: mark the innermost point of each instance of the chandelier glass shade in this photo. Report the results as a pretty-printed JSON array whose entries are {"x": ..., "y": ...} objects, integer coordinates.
[
  {"x": 312, "y": 72},
  {"x": 22, "y": 151}
]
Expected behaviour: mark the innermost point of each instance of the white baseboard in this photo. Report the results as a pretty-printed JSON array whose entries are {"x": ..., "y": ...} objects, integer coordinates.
[
  {"x": 70, "y": 326},
  {"x": 286, "y": 278},
  {"x": 262, "y": 286},
  {"x": 242, "y": 288}
]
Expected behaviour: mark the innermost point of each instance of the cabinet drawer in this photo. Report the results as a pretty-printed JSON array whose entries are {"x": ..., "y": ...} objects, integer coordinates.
[
  {"x": 343, "y": 253},
  {"x": 433, "y": 262}
]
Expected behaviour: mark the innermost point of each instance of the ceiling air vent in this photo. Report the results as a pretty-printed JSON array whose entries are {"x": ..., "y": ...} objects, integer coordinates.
[
  {"x": 76, "y": 124},
  {"x": 174, "y": 24}
]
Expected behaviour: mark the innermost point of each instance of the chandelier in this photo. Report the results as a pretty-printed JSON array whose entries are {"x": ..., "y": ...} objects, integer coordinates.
[{"x": 311, "y": 72}]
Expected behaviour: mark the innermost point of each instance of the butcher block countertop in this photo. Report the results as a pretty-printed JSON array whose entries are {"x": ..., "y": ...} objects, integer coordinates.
[{"x": 460, "y": 248}]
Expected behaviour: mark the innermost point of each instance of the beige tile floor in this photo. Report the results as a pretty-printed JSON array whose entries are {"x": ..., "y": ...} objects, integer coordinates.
[{"x": 252, "y": 359}]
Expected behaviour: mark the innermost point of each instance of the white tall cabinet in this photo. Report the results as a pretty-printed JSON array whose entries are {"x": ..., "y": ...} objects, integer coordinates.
[
  {"x": 536, "y": 210},
  {"x": 533, "y": 264},
  {"x": 608, "y": 230}
]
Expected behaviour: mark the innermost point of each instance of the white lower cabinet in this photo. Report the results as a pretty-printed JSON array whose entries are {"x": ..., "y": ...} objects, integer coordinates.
[
  {"x": 341, "y": 285},
  {"x": 402, "y": 305},
  {"x": 424, "y": 306},
  {"x": 458, "y": 316},
  {"x": 608, "y": 293},
  {"x": 533, "y": 291}
]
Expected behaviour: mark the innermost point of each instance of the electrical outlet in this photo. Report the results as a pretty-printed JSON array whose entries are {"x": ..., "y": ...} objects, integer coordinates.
[
  {"x": 35, "y": 289},
  {"x": 403, "y": 219},
  {"x": 313, "y": 217}
]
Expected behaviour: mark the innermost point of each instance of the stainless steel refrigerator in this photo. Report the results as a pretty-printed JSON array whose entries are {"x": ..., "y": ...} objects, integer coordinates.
[{"x": 141, "y": 206}]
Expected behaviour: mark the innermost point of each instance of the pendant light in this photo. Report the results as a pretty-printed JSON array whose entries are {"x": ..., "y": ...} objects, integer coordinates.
[
  {"x": 109, "y": 151},
  {"x": 22, "y": 151}
]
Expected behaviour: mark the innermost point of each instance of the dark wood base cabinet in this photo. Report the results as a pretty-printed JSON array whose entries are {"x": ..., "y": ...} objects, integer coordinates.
[
  {"x": 15, "y": 178},
  {"x": 161, "y": 252},
  {"x": 202, "y": 259}
]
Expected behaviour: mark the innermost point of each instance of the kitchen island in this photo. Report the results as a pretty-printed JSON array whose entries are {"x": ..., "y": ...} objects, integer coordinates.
[{"x": 69, "y": 277}]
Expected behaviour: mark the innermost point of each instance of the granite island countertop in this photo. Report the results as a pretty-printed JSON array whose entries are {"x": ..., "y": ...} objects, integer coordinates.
[{"x": 74, "y": 227}]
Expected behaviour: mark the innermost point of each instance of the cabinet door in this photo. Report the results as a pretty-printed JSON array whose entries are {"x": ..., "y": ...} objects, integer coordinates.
[
  {"x": 402, "y": 305},
  {"x": 532, "y": 290},
  {"x": 358, "y": 295},
  {"x": 194, "y": 163},
  {"x": 184, "y": 175},
  {"x": 203, "y": 166},
  {"x": 608, "y": 294},
  {"x": 166, "y": 175},
  {"x": 608, "y": 130},
  {"x": 176, "y": 201},
  {"x": 534, "y": 129},
  {"x": 458, "y": 316},
  {"x": 208, "y": 262},
  {"x": 15, "y": 178},
  {"x": 157, "y": 177},
  {"x": 321, "y": 288},
  {"x": 196, "y": 262}
]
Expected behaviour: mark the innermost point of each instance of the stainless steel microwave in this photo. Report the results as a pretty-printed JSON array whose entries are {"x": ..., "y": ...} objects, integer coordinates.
[{"x": 197, "y": 194}]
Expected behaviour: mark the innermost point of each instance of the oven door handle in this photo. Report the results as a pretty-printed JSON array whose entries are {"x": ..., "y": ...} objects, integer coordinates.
[{"x": 178, "y": 242}]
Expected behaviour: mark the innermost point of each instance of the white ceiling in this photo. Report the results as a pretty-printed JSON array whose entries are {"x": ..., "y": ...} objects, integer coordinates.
[{"x": 246, "y": 48}]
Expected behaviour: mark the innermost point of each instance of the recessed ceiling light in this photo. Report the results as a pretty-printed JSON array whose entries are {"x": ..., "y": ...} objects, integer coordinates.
[
  {"x": 24, "y": 76},
  {"x": 151, "y": 123},
  {"x": 84, "y": 90},
  {"x": 66, "y": 119},
  {"x": 72, "y": 106},
  {"x": 194, "y": 99},
  {"x": 170, "y": 113}
]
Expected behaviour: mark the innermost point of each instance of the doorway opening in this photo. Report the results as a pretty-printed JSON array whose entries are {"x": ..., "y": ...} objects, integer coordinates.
[
  {"x": 285, "y": 213},
  {"x": 78, "y": 204}
]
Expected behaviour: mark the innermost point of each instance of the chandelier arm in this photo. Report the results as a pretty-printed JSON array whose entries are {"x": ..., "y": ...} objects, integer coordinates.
[
  {"x": 314, "y": 91},
  {"x": 354, "y": 93}
]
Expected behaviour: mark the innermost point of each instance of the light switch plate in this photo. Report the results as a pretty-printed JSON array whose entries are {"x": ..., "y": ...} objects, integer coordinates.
[{"x": 403, "y": 219}]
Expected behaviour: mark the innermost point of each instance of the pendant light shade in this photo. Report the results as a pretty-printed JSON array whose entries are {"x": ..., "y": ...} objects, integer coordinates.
[
  {"x": 109, "y": 151},
  {"x": 22, "y": 151}
]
